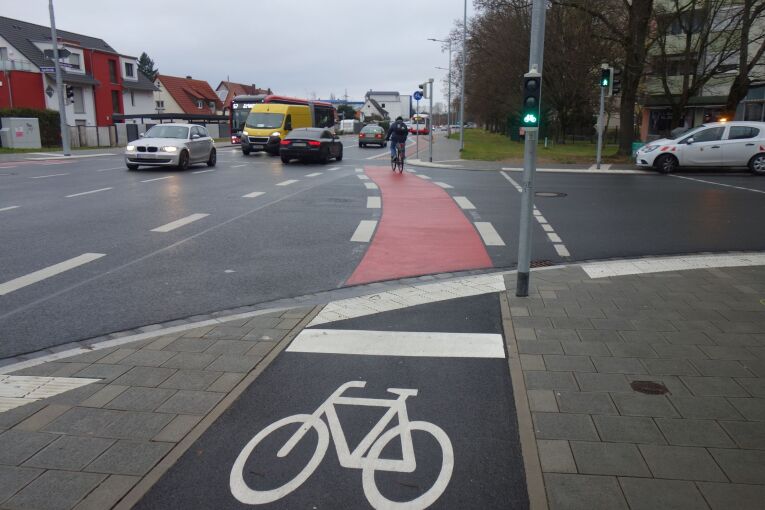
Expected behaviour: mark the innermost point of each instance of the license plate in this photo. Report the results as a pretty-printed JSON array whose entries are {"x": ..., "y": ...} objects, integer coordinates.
[
  {"x": 146, "y": 156},
  {"x": 258, "y": 146},
  {"x": 298, "y": 144}
]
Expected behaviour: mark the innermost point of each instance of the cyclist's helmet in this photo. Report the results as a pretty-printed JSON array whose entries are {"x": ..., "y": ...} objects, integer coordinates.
[{"x": 399, "y": 118}]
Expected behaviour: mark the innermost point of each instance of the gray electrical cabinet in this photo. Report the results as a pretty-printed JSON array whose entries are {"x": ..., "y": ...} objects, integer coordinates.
[{"x": 20, "y": 133}]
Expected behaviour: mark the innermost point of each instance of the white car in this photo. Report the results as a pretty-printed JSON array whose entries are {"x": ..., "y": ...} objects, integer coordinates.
[
  {"x": 171, "y": 145},
  {"x": 718, "y": 144}
]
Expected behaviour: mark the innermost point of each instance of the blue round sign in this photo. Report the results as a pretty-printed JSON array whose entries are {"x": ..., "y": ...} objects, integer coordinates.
[{"x": 417, "y": 95}]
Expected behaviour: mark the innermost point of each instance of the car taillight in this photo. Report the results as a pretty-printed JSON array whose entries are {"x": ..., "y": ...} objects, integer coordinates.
[
  {"x": 378, "y": 135},
  {"x": 285, "y": 142},
  {"x": 361, "y": 135},
  {"x": 314, "y": 143}
]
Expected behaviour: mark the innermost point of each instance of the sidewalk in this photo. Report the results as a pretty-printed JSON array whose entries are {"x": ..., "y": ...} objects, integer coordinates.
[
  {"x": 75, "y": 154},
  {"x": 636, "y": 385}
]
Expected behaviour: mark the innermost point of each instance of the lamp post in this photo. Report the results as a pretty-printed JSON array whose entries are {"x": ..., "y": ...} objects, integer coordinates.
[
  {"x": 59, "y": 84},
  {"x": 449, "y": 106},
  {"x": 462, "y": 88}
]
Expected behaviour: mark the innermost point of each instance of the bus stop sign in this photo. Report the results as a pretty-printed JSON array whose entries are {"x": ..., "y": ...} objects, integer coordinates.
[{"x": 417, "y": 95}]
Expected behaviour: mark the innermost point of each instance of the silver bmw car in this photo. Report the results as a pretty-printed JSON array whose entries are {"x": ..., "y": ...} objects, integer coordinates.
[{"x": 178, "y": 145}]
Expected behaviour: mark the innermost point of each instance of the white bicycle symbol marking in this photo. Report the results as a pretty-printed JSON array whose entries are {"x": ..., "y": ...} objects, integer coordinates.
[{"x": 372, "y": 444}]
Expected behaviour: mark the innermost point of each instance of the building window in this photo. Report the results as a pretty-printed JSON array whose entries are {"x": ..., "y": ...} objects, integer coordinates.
[
  {"x": 200, "y": 103},
  {"x": 113, "y": 71},
  {"x": 160, "y": 105},
  {"x": 74, "y": 60},
  {"x": 78, "y": 100},
  {"x": 116, "y": 101},
  {"x": 129, "y": 70},
  {"x": 132, "y": 98},
  {"x": 212, "y": 105},
  {"x": 753, "y": 111}
]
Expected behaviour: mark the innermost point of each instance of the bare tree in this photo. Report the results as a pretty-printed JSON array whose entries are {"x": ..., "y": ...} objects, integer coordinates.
[{"x": 752, "y": 34}]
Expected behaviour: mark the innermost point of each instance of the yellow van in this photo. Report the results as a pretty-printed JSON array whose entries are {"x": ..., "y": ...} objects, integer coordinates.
[{"x": 268, "y": 123}]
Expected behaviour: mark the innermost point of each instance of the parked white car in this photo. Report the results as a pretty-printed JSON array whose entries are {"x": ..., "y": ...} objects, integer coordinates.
[
  {"x": 718, "y": 144},
  {"x": 178, "y": 145}
]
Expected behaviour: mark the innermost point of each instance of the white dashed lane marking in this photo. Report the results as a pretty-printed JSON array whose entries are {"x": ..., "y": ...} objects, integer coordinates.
[
  {"x": 254, "y": 194},
  {"x": 158, "y": 178},
  {"x": 46, "y": 176},
  {"x": 203, "y": 171},
  {"x": 370, "y": 185},
  {"x": 88, "y": 192},
  {"x": 180, "y": 223},
  {"x": 315, "y": 174},
  {"x": 238, "y": 166},
  {"x": 443, "y": 185},
  {"x": 489, "y": 234},
  {"x": 9, "y": 208},
  {"x": 718, "y": 184},
  {"x": 287, "y": 183},
  {"x": 48, "y": 272},
  {"x": 364, "y": 231},
  {"x": 373, "y": 203},
  {"x": 363, "y": 177},
  {"x": 464, "y": 203}
]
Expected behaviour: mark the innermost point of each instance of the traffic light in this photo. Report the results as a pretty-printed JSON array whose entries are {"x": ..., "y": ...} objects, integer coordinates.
[
  {"x": 605, "y": 77},
  {"x": 616, "y": 82},
  {"x": 424, "y": 88},
  {"x": 70, "y": 93},
  {"x": 532, "y": 91}
]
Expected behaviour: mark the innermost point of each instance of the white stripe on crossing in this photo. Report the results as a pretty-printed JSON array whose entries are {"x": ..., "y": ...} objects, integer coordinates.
[
  {"x": 158, "y": 178},
  {"x": 42, "y": 274},
  {"x": 541, "y": 219},
  {"x": 364, "y": 231},
  {"x": 9, "y": 208},
  {"x": 443, "y": 185},
  {"x": 547, "y": 227},
  {"x": 423, "y": 177},
  {"x": 363, "y": 177},
  {"x": 562, "y": 250},
  {"x": 315, "y": 174},
  {"x": 399, "y": 343},
  {"x": 359, "y": 170},
  {"x": 373, "y": 203},
  {"x": 19, "y": 390},
  {"x": 333, "y": 169},
  {"x": 88, "y": 192},
  {"x": 238, "y": 166},
  {"x": 370, "y": 185},
  {"x": 179, "y": 223},
  {"x": 464, "y": 203},
  {"x": 254, "y": 194},
  {"x": 489, "y": 234},
  {"x": 554, "y": 237},
  {"x": 287, "y": 183}
]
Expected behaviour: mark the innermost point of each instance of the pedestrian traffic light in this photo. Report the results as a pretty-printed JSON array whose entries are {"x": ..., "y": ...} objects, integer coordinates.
[
  {"x": 70, "y": 93},
  {"x": 605, "y": 77},
  {"x": 532, "y": 91},
  {"x": 616, "y": 82}
]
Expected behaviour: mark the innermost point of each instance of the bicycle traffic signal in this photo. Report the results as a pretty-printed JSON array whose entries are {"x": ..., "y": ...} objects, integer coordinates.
[
  {"x": 605, "y": 77},
  {"x": 532, "y": 92},
  {"x": 616, "y": 82}
]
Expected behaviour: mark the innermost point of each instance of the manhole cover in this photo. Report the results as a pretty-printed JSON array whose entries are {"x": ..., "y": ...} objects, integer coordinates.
[
  {"x": 649, "y": 387},
  {"x": 549, "y": 194},
  {"x": 541, "y": 263}
]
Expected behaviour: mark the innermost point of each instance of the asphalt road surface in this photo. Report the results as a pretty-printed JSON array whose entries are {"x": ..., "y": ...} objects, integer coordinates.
[{"x": 88, "y": 248}]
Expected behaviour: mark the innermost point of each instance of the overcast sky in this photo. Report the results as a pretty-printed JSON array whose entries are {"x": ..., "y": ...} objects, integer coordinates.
[{"x": 295, "y": 47}]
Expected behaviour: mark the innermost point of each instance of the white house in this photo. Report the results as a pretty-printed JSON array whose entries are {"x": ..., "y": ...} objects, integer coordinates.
[{"x": 388, "y": 105}]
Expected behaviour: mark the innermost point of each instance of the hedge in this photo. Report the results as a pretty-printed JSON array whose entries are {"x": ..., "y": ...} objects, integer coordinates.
[{"x": 50, "y": 130}]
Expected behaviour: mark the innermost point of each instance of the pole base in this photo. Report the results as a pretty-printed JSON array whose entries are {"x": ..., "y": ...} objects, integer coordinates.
[{"x": 522, "y": 285}]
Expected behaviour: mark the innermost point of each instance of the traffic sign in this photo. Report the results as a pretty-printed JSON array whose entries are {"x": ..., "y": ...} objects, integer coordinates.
[
  {"x": 417, "y": 95},
  {"x": 47, "y": 69},
  {"x": 62, "y": 53}
]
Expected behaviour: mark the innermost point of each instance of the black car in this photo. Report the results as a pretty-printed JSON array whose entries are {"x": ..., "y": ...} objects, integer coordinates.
[{"x": 317, "y": 144}]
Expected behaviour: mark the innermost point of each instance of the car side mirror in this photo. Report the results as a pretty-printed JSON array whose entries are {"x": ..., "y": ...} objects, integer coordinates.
[
  {"x": 689, "y": 141},
  {"x": 194, "y": 137}
]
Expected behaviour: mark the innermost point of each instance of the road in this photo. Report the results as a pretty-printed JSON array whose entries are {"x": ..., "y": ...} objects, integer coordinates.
[{"x": 88, "y": 248}]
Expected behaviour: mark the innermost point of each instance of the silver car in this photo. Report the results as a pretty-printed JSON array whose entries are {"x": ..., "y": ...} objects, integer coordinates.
[{"x": 178, "y": 145}]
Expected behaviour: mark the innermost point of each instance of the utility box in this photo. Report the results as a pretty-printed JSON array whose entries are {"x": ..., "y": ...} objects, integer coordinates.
[
  {"x": 20, "y": 133},
  {"x": 350, "y": 126}
]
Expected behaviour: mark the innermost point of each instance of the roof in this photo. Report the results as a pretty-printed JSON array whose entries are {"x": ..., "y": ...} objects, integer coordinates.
[
  {"x": 21, "y": 35},
  {"x": 143, "y": 83},
  {"x": 383, "y": 112},
  {"x": 382, "y": 93},
  {"x": 239, "y": 89},
  {"x": 187, "y": 91}
]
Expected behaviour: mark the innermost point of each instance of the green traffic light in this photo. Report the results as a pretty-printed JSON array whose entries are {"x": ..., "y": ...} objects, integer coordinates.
[
  {"x": 604, "y": 83},
  {"x": 530, "y": 118}
]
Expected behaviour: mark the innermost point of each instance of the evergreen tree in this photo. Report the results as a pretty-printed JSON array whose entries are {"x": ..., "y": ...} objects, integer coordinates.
[{"x": 146, "y": 66}]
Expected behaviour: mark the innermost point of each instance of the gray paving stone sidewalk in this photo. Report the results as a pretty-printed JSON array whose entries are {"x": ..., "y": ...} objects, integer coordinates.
[
  {"x": 584, "y": 344},
  {"x": 86, "y": 448}
]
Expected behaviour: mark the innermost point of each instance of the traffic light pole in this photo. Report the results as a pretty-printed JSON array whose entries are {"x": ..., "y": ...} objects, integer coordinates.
[
  {"x": 536, "y": 52},
  {"x": 601, "y": 114},
  {"x": 430, "y": 116},
  {"x": 59, "y": 85}
]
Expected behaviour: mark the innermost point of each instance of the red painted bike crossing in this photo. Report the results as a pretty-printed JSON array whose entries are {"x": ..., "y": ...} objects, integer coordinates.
[{"x": 422, "y": 231}]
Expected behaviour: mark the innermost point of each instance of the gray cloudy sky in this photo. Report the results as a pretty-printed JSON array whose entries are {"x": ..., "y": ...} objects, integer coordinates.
[{"x": 296, "y": 47}]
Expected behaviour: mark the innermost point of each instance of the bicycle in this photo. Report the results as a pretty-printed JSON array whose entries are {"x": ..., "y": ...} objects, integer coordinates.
[
  {"x": 398, "y": 160},
  {"x": 372, "y": 444}
]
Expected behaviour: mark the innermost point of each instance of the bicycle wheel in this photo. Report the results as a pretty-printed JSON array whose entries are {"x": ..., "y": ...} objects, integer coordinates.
[
  {"x": 373, "y": 494},
  {"x": 394, "y": 162},
  {"x": 248, "y": 496}
]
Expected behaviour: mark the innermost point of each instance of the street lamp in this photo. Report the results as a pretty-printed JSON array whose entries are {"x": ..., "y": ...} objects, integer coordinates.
[
  {"x": 462, "y": 89},
  {"x": 449, "y": 106}
]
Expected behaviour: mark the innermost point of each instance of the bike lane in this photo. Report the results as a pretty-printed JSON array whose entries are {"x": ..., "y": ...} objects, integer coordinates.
[{"x": 451, "y": 440}]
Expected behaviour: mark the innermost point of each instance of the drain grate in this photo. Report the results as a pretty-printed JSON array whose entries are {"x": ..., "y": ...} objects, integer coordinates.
[
  {"x": 649, "y": 387},
  {"x": 550, "y": 194},
  {"x": 541, "y": 263}
]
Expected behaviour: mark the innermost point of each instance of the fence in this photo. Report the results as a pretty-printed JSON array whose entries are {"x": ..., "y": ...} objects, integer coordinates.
[{"x": 121, "y": 134}]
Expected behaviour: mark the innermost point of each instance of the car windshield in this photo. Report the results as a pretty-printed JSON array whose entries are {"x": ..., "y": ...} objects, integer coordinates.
[
  {"x": 168, "y": 132},
  {"x": 371, "y": 129},
  {"x": 264, "y": 120},
  {"x": 313, "y": 134}
]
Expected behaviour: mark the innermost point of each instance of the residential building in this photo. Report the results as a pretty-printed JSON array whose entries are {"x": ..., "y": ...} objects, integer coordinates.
[
  {"x": 103, "y": 81},
  {"x": 185, "y": 96},
  {"x": 228, "y": 90},
  {"x": 388, "y": 105}
]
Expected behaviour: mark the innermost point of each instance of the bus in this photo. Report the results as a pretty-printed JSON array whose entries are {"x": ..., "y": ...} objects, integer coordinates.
[
  {"x": 324, "y": 114},
  {"x": 420, "y": 124}
]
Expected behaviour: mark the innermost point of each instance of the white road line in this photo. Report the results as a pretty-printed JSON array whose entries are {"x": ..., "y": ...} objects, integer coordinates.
[
  {"x": 254, "y": 194},
  {"x": 374, "y": 203},
  {"x": 364, "y": 231},
  {"x": 718, "y": 184},
  {"x": 363, "y": 177},
  {"x": 464, "y": 203},
  {"x": 411, "y": 170},
  {"x": 238, "y": 166},
  {"x": 537, "y": 212},
  {"x": 9, "y": 208},
  {"x": 399, "y": 343},
  {"x": 662, "y": 264},
  {"x": 179, "y": 223},
  {"x": 107, "y": 169},
  {"x": 42, "y": 274},
  {"x": 359, "y": 170},
  {"x": 46, "y": 176},
  {"x": 547, "y": 227},
  {"x": 423, "y": 177},
  {"x": 19, "y": 390},
  {"x": 489, "y": 234},
  {"x": 333, "y": 169},
  {"x": 512, "y": 181},
  {"x": 158, "y": 178},
  {"x": 88, "y": 192},
  {"x": 315, "y": 174},
  {"x": 552, "y": 236},
  {"x": 562, "y": 251},
  {"x": 370, "y": 185},
  {"x": 287, "y": 183},
  {"x": 541, "y": 219},
  {"x": 204, "y": 171},
  {"x": 443, "y": 185}
]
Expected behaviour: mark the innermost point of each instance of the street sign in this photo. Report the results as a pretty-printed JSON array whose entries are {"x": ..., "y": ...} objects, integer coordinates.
[
  {"x": 66, "y": 64},
  {"x": 417, "y": 95},
  {"x": 47, "y": 69},
  {"x": 49, "y": 91}
]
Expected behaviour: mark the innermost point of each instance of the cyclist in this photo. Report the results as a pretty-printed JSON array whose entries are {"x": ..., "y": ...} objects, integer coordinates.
[{"x": 397, "y": 134}]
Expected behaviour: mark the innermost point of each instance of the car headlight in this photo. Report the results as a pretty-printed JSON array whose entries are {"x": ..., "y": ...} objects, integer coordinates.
[
  {"x": 276, "y": 133},
  {"x": 130, "y": 148},
  {"x": 649, "y": 148},
  {"x": 170, "y": 149}
]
